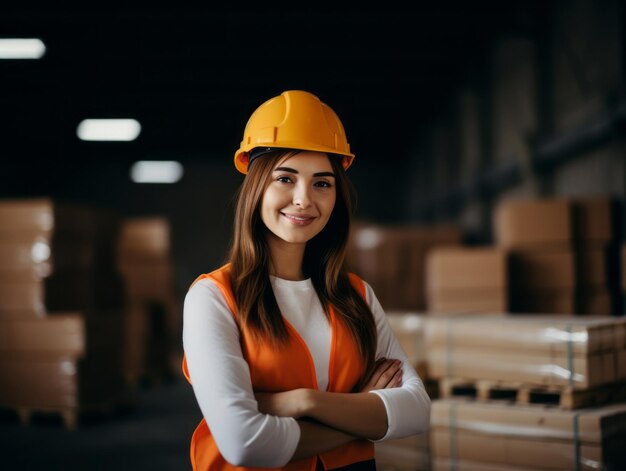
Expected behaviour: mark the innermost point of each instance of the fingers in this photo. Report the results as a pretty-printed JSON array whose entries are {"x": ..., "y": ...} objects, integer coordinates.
[
  {"x": 390, "y": 376},
  {"x": 396, "y": 380},
  {"x": 387, "y": 374},
  {"x": 381, "y": 366}
]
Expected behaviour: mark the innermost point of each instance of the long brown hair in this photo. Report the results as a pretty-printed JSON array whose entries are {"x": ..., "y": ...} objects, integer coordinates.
[{"x": 323, "y": 261}]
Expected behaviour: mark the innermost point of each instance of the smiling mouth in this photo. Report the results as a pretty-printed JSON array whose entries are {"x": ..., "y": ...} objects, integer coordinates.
[{"x": 298, "y": 220}]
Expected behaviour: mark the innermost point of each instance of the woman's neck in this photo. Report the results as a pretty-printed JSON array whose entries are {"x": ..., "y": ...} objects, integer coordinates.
[{"x": 286, "y": 259}]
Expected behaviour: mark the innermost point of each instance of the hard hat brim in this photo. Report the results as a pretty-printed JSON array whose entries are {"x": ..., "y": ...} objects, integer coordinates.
[{"x": 243, "y": 158}]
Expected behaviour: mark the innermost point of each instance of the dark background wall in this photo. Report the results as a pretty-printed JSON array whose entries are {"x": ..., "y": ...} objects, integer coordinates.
[{"x": 449, "y": 108}]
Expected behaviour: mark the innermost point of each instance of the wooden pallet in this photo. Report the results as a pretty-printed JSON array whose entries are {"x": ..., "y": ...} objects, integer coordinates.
[
  {"x": 564, "y": 398},
  {"x": 70, "y": 417}
]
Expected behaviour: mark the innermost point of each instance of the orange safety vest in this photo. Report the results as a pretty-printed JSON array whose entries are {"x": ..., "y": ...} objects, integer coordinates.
[{"x": 291, "y": 367}]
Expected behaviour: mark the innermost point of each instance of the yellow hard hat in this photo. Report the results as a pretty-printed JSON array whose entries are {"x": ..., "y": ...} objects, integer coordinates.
[{"x": 293, "y": 120}]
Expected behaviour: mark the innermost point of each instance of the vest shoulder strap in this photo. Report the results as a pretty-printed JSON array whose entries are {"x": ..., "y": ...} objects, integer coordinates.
[
  {"x": 221, "y": 276},
  {"x": 358, "y": 284}
]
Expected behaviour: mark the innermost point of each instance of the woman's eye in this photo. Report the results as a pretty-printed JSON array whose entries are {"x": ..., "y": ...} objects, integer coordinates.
[
  {"x": 283, "y": 179},
  {"x": 323, "y": 184}
]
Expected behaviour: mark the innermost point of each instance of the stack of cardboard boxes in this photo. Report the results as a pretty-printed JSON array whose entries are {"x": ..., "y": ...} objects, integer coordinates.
[
  {"x": 521, "y": 392},
  {"x": 61, "y": 301},
  {"x": 516, "y": 390},
  {"x": 479, "y": 436},
  {"x": 562, "y": 254},
  {"x": 392, "y": 260},
  {"x": 152, "y": 318},
  {"x": 551, "y": 255},
  {"x": 571, "y": 357}
]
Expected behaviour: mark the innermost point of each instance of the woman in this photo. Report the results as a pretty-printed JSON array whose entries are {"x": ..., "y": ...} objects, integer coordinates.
[{"x": 291, "y": 358}]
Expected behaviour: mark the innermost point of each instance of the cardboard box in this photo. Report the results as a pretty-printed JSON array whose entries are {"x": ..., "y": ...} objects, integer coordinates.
[
  {"x": 451, "y": 464},
  {"x": 63, "y": 334},
  {"x": 595, "y": 301},
  {"x": 619, "y": 332},
  {"x": 373, "y": 256},
  {"x": 392, "y": 260},
  {"x": 48, "y": 216},
  {"x": 389, "y": 458},
  {"x": 404, "y": 454},
  {"x": 64, "y": 292},
  {"x": 526, "y": 452},
  {"x": 519, "y": 367},
  {"x": 593, "y": 267},
  {"x": 144, "y": 238},
  {"x": 57, "y": 382},
  {"x": 44, "y": 216},
  {"x": 408, "y": 328},
  {"x": 148, "y": 280},
  {"x": 547, "y": 334},
  {"x": 539, "y": 270},
  {"x": 478, "y": 301},
  {"x": 541, "y": 423},
  {"x": 33, "y": 257},
  {"x": 22, "y": 300},
  {"x": 524, "y": 223},
  {"x": 593, "y": 219},
  {"x": 528, "y": 436},
  {"x": 450, "y": 269},
  {"x": 70, "y": 334}
]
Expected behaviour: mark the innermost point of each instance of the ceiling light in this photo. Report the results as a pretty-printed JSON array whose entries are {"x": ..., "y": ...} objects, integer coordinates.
[
  {"x": 108, "y": 129},
  {"x": 13, "y": 48},
  {"x": 153, "y": 171}
]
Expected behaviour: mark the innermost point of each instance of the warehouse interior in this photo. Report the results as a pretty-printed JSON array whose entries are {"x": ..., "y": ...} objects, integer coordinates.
[{"x": 490, "y": 168}]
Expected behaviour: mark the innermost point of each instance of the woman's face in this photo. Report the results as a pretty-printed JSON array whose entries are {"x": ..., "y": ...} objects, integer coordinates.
[{"x": 300, "y": 197}]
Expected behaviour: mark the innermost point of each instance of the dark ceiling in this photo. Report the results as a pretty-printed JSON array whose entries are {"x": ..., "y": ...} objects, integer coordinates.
[{"x": 192, "y": 76}]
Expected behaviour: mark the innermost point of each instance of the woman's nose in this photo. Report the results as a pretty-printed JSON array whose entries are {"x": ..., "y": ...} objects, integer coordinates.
[{"x": 301, "y": 197}]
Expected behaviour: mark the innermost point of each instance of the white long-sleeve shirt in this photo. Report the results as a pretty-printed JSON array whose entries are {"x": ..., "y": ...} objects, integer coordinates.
[{"x": 221, "y": 378}]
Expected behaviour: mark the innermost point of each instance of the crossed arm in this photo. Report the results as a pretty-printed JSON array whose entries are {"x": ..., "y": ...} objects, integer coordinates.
[{"x": 337, "y": 418}]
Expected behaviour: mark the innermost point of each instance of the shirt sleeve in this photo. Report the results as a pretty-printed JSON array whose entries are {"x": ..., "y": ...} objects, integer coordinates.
[
  {"x": 220, "y": 378},
  {"x": 407, "y": 406}
]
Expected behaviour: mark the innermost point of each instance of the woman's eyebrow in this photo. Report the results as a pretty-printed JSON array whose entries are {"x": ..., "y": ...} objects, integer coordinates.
[{"x": 293, "y": 170}]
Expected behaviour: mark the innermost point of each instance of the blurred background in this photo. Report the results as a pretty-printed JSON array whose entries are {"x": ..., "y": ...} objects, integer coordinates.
[{"x": 497, "y": 129}]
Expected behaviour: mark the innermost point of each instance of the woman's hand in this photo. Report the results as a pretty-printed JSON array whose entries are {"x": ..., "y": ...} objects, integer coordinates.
[
  {"x": 387, "y": 374},
  {"x": 292, "y": 403}
]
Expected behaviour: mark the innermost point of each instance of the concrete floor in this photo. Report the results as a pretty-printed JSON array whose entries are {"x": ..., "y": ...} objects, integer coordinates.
[{"x": 152, "y": 435}]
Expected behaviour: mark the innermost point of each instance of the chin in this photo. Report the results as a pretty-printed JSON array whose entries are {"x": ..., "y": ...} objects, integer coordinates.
[{"x": 297, "y": 238}]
